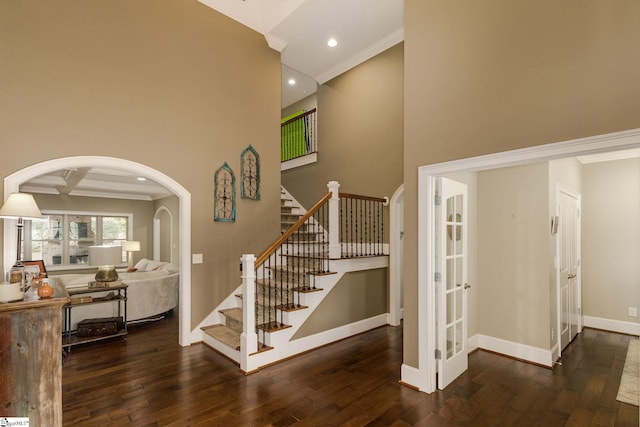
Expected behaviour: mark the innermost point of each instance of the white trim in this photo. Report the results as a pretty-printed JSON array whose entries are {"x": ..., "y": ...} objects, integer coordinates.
[
  {"x": 620, "y": 326},
  {"x": 390, "y": 40},
  {"x": 520, "y": 351},
  {"x": 426, "y": 321},
  {"x": 472, "y": 343},
  {"x": 299, "y": 161},
  {"x": 13, "y": 181},
  {"x": 395, "y": 262}
]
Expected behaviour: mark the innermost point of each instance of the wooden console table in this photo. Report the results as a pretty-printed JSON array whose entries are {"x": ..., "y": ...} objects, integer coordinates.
[{"x": 31, "y": 357}]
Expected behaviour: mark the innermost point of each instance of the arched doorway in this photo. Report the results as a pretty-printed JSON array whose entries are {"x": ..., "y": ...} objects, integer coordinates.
[
  {"x": 13, "y": 181},
  {"x": 163, "y": 235}
]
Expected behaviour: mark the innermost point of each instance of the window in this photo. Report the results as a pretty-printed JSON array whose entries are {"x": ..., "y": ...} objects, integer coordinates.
[{"x": 63, "y": 238}]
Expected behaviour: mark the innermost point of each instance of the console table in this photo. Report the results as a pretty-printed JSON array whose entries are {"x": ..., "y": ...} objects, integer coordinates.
[
  {"x": 31, "y": 357},
  {"x": 97, "y": 296}
]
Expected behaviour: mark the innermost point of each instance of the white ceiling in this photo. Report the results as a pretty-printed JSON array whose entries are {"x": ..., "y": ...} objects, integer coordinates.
[{"x": 300, "y": 29}]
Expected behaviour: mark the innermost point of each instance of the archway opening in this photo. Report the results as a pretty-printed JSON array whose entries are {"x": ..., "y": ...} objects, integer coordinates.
[{"x": 13, "y": 181}]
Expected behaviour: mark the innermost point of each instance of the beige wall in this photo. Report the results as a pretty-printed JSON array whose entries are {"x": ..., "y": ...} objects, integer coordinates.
[
  {"x": 308, "y": 103},
  {"x": 611, "y": 239},
  {"x": 359, "y": 133},
  {"x": 170, "y": 84},
  {"x": 344, "y": 304},
  {"x": 513, "y": 278},
  {"x": 484, "y": 77}
]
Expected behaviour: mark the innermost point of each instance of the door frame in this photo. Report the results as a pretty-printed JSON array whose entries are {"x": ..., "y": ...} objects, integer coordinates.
[{"x": 423, "y": 377}]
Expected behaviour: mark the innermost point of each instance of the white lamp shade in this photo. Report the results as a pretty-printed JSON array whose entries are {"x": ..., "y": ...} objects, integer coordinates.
[
  {"x": 20, "y": 205},
  {"x": 131, "y": 246},
  {"x": 105, "y": 255}
]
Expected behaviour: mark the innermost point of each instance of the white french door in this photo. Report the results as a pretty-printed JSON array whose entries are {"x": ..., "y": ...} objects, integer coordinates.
[
  {"x": 451, "y": 280},
  {"x": 568, "y": 208}
]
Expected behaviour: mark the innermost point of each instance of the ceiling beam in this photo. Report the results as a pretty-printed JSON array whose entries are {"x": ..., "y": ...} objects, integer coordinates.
[{"x": 72, "y": 177}]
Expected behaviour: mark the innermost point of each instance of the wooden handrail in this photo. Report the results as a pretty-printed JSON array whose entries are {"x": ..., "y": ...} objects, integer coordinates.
[
  {"x": 356, "y": 196},
  {"x": 275, "y": 245},
  {"x": 305, "y": 114}
]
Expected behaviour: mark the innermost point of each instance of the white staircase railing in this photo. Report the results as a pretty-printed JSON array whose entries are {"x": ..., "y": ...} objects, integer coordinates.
[{"x": 331, "y": 221}]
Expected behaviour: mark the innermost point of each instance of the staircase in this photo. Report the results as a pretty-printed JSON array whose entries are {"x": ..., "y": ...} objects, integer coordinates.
[
  {"x": 298, "y": 272},
  {"x": 285, "y": 284}
]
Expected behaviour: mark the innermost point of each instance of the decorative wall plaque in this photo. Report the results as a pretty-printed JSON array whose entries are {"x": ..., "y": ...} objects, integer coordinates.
[
  {"x": 225, "y": 195},
  {"x": 250, "y": 164}
]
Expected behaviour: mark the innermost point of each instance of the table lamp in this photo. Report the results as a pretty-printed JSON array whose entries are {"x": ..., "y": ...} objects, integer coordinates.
[
  {"x": 130, "y": 247},
  {"x": 106, "y": 257},
  {"x": 19, "y": 206}
]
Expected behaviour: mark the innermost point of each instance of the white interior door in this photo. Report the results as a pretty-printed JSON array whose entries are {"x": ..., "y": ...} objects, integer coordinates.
[
  {"x": 569, "y": 266},
  {"x": 451, "y": 280}
]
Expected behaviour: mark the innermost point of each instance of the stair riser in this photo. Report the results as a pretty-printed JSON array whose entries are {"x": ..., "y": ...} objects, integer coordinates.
[
  {"x": 289, "y": 217},
  {"x": 307, "y": 263},
  {"x": 233, "y": 324},
  {"x": 280, "y": 278}
]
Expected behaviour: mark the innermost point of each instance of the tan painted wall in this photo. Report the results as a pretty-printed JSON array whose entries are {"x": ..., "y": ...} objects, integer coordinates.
[
  {"x": 513, "y": 278},
  {"x": 359, "y": 133},
  {"x": 308, "y": 103},
  {"x": 343, "y": 305},
  {"x": 170, "y": 84},
  {"x": 485, "y": 77},
  {"x": 611, "y": 239}
]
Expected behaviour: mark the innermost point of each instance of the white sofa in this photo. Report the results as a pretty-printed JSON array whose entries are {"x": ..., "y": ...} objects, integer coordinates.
[{"x": 152, "y": 290}]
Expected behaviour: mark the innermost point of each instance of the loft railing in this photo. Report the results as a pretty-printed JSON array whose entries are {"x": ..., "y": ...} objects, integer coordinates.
[
  {"x": 298, "y": 136},
  {"x": 339, "y": 225}
]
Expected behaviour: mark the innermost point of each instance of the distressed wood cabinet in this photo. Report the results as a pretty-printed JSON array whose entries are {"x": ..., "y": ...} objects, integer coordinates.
[{"x": 31, "y": 358}]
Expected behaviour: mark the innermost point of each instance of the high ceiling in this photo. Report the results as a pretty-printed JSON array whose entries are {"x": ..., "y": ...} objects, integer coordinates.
[{"x": 300, "y": 29}]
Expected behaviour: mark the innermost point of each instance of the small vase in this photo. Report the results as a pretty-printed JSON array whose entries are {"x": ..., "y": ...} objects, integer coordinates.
[{"x": 45, "y": 290}]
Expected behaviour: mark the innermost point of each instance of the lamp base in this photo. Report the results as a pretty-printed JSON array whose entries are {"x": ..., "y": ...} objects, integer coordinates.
[{"x": 106, "y": 273}]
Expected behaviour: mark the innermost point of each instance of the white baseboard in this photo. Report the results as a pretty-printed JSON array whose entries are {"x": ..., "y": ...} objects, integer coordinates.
[
  {"x": 620, "y": 326},
  {"x": 472, "y": 343},
  {"x": 525, "y": 352}
]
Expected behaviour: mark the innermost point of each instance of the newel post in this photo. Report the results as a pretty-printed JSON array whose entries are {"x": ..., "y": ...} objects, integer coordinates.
[
  {"x": 335, "y": 250},
  {"x": 249, "y": 338}
]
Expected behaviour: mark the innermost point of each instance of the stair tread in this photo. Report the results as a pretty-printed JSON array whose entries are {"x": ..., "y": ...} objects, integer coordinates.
[{"x": 223, "y": 334}]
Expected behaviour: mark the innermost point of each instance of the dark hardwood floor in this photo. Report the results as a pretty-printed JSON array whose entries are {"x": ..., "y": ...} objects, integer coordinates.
[{"x": 148, "y": 380}]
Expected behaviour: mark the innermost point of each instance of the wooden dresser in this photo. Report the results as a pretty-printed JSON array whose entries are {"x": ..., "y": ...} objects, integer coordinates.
[{"x": 31, "y": 358}]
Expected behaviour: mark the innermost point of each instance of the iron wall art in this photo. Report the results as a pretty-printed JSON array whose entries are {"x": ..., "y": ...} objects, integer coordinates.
[
  {"x": 250, "y": 165},
  {"x": 225, "y": 195}
]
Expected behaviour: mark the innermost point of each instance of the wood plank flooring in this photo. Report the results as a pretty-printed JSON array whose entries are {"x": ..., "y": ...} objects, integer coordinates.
[{"x": 148, "y": 380}]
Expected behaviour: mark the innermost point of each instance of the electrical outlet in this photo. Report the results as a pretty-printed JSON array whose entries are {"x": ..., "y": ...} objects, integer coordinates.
[{"x": 633, "y": 311}]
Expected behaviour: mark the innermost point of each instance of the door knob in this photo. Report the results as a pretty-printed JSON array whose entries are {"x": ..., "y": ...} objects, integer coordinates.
[
  {"x": 467, "y": 286},
  {"x": 571, "y": 276}
]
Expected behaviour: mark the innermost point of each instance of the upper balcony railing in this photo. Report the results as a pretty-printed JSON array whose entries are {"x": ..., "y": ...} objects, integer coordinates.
[{"x": 298, "y": 136}]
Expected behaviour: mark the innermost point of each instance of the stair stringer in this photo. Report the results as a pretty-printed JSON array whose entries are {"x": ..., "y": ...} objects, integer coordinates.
[{"x": 281, "y": 340}]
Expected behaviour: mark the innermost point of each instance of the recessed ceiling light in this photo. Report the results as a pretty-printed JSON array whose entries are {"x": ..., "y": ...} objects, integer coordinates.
[
  {"x": 141, "y": 178},
  {"x": 332, "y": 43},
  {"x": 292, "y": 81}
]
